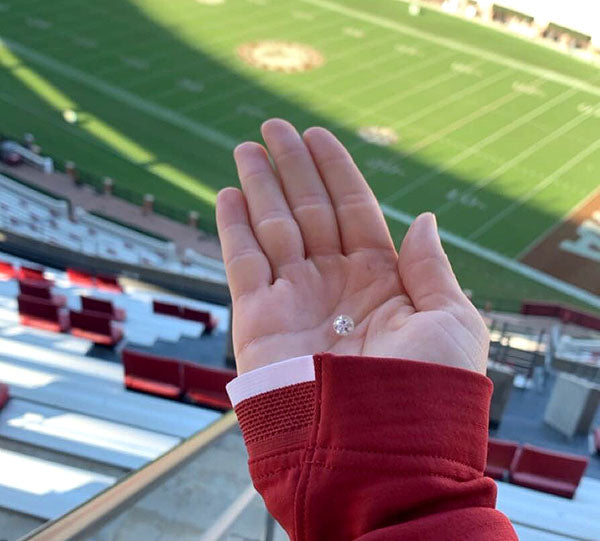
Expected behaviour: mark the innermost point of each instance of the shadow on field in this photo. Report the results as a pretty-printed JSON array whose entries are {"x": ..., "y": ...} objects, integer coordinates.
[{"x": 213, "y": 165}]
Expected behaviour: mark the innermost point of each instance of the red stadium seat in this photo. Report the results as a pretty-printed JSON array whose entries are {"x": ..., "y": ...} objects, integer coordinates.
[
  {"x": 41, "y": 290},
  {"x": 108, "y": 283},
  {"x": 206, "y": 386},
  {"x": 32, "y": 274},
  {"x": 166, "y": 308},
  {"x": 499, "y": 458},
  {"x": 4, "y": 394},
  {"x": 91, "y": 304},
  {"x": 202, "y": 317},
  {"x": 43, "y": 314},
  {"x": 95, "y": 327},
  {"x": 7, "y": 271},
  {"x": 80, "y": 278},
  {"x": 150, "y": 374},
  {"x": 547, "y": 471}
]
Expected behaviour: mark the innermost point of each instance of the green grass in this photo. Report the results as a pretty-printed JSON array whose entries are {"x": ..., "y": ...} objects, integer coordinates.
[{"x": 471, "y": 143}]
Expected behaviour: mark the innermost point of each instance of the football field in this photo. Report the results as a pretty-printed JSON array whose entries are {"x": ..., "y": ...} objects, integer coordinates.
[{"x": 498, "y": 136}]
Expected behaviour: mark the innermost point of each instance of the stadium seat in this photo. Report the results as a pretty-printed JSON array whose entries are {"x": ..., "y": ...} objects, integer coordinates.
[
  {"x": 108, "y": 283},
  {"x": 4, "y": 394},
  {"x": 80, "y": 278},
  {"x": 41, "y": 290},
  {"x": 7, "y": 271},
  {"x": 43, "y": 314},
  {"x": 91, "y": 304},
  {"x": 96, "y": 327},
  {"x": 166, "y": 308},
  {"x": 499, "y": 458},
  {"x": 202, "y": 317},
  {"x": 547, "y": 471},
  {"x": 151, "y": 374},
  {"x": 206, "y": 386},
  {"x": 32, "y": 274}
]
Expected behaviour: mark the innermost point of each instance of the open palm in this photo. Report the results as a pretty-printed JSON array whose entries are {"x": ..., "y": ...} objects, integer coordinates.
[{"x": 307, "y": 242}]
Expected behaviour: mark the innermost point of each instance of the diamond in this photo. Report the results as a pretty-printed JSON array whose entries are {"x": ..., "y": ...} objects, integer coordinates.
[{"x": 343, "y": 325}]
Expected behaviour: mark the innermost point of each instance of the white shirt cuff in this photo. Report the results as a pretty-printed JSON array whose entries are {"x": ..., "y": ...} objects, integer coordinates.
[{"x": 271, "y": 377}]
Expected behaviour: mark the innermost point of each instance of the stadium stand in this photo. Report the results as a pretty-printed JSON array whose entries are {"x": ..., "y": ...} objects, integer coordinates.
[
  {"x": 70, "y": 419},
  {"x": 142, "y": 326},
  {"x": 30, "y": 213}
]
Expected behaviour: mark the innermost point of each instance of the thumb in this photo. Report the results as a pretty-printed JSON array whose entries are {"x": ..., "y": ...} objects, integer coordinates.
[{"x": 424, "y": 267}]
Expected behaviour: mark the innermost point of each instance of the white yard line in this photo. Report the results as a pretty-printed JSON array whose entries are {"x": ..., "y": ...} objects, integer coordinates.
[
  {"x": 166, "y": 115},
  {"x": 104, "y": 51},
  {"x": 379, "y": 81},
  {"x": 397, "y": 74},
  {"x": 396, "y": 98},
  {"x": 516, "y": 159},
  {"x": 595, "y": 193},
  {"x": 507, "y": 128},
  {"x": 338, "y": 74},
  {"x": 501, "y": 260},
  {"x": 228, "y": 517},
  {"x": 456, "y": 96},
  {"x": 537, "y": 189},
  {"x": 195, "y": 64},
  {"x": 461, "y": 122},
  {"x": 531, "y": 69}
]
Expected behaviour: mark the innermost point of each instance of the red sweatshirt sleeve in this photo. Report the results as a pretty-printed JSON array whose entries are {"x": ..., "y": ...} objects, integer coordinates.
[{"x": 375, "y": 449}]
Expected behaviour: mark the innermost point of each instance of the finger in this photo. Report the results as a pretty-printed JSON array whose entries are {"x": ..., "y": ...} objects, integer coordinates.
[
  {"x": 304, "y": 190},
  {"x": 274, "y": 226},
  {"x": 424, "y": 267},
  {"x": 360, "y": 220},
  {"x": 245, "y": 263}
]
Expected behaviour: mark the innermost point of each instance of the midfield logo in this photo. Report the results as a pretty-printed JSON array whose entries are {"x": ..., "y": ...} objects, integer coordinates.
[{"x": 273, "y": 55}]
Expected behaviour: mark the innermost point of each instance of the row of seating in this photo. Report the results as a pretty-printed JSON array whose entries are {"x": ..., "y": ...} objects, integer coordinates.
[
  {"x": 177, "y": 380},
  {"x": 564, "y": 313},
  {"x": 44, "y": 314},
  {"x": 100, "y": 281},
  {"x": 184, "y": 312},
  {"x": 104, "y": 282},
  {"x": 534, "y": 467},
  {"x": 32, "y": 274},
  {"x": 27, "y": 212}
]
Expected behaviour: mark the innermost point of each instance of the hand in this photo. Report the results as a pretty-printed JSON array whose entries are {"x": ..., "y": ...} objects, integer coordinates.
[{"x": 308, "y": 242}]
